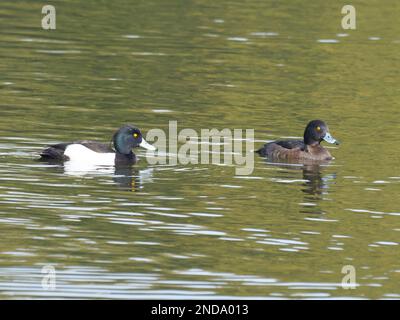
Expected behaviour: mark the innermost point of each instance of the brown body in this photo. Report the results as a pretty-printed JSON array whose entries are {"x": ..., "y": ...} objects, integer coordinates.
[
  {"x": 309, "y": 149},
  {"x": 314, "y": 152}
]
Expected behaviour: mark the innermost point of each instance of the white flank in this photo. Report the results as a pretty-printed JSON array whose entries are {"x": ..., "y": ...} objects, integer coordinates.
[{"x": 78, "y": 152}]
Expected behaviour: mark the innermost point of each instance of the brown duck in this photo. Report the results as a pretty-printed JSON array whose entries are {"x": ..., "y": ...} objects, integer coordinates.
[{"x": 308, "y": 149}]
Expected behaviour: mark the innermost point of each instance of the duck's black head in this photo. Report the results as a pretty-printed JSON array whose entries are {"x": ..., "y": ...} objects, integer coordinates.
[
  {"x": 129, "y": 137},
  {"x": 316, "y": 131}
]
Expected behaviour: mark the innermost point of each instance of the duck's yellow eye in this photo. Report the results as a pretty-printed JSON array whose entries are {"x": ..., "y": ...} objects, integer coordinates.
[
  {"x": 318, "y": 128},
  {"x": 135, "y": 135}
]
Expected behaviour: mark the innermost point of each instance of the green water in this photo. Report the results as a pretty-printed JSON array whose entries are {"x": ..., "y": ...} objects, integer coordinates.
[{"x": 195, "y": 231}]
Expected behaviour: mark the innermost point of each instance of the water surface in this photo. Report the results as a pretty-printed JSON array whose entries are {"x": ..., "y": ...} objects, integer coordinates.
[{"x": 200, "y": 231}]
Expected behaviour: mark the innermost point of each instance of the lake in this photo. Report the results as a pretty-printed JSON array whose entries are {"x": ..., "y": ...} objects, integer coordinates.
[{"x": 188, "y": 231}]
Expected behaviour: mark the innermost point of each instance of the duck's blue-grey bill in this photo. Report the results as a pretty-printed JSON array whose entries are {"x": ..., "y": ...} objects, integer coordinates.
[
  {"x": 330, "y": 139},
  {"x": 146, "y": 145}
]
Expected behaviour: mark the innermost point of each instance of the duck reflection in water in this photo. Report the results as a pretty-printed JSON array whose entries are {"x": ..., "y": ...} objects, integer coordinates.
[
  {"x": 131, "y": 179},
  {"x": 315, "y": 186},
  {"x": 126, "y": 177}
]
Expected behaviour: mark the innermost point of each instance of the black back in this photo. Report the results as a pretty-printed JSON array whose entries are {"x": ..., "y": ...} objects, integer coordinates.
[
  {"x": 287, "y": 144},
  {"x": 291, "y": 144},
  {"x": 56, "y": 151}
]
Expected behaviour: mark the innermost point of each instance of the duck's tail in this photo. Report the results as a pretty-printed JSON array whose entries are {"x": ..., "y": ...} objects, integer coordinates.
[
  {"x": 55, "y": 152},
  {"x": 262, "y": 151}
]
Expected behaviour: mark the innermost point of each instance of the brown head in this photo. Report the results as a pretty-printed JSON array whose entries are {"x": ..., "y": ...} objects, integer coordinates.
[{"x": 316, "y": 131}]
